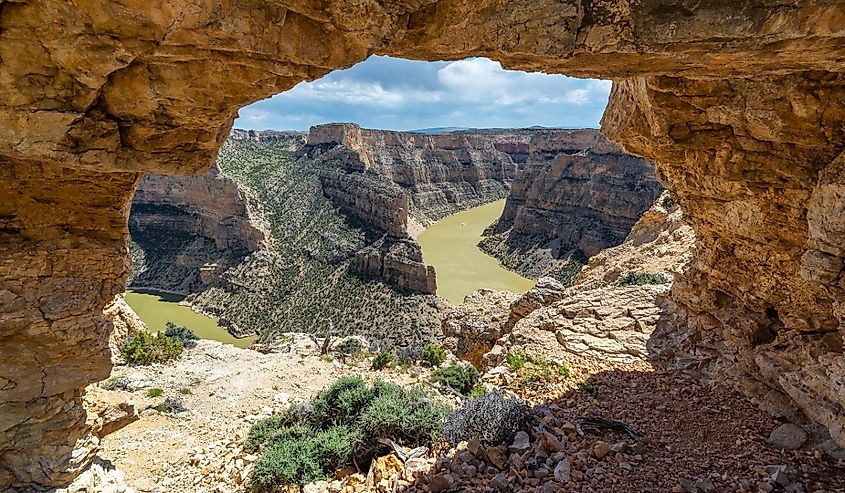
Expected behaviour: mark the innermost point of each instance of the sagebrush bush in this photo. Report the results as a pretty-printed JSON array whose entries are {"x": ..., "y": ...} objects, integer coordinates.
[
  {"x": 345, "y": 420},
  {"x": 351, "y": 346},
  {"x": 382, "y": 360},
  {"x": 434, "y": 355},
  {"x": 491, "y": 417},
  {"x": 408, "y": 356},
  {"x": 636, "y": 278},
  {"x": 459, "y": 377},
  {"x": 145, "y": 348},
  {"x": 181, "y": 333}
]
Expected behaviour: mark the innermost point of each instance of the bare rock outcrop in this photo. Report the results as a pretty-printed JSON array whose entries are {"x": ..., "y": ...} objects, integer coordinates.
[
  {"x": 472, "y": 328},
  {"x": 125, "y": 324},
  {"x": 577, "y": 195},
  {"x": 661, "y": 242},
  {"x": 595, "y": 317},
  {"x": 609, "y": 323},
  {"x": 185, "y": 229},
  {"x": 738, "y": 104},
  {"x": 397, "y": 262}
]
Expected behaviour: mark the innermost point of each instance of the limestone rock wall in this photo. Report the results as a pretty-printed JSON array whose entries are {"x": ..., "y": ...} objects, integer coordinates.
[
  {"x": 442, "y": 173},
  {"x": 184, "y": 229},
  {"x": 751, "y": 162},
  {"x": 373, "y": 200},
  {"x": 739, "y": 105},
  {"x": 578, "y": 194},
  {"x": 397, "y": 262}
]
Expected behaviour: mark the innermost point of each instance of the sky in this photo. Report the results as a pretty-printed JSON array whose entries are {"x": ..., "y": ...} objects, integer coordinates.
[{"x": 397, "y": 94}]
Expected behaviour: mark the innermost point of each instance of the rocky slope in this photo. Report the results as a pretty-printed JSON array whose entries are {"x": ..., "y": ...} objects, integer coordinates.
[
  {"x": 601, "y": 315},
  {"x": 739, "y": 105},
  {"x": 323, "y": 268},
  {"x": 577, "y": 195}
]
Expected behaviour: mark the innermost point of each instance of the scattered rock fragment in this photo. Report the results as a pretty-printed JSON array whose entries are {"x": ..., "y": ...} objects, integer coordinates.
[{"x": 788, "y": 436}]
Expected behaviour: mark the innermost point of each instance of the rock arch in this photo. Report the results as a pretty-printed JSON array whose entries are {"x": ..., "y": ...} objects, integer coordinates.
[{"x": 740, "y": 104}]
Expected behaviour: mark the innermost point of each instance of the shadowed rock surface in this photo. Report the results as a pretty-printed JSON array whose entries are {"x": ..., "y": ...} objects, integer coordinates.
[
  {"x": 739, "y": 105},
  {"x": 578, "y": 194}
]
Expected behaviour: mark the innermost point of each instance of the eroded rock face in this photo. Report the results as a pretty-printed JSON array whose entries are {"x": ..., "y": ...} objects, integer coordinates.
[
  {"x": 440, "y": 173},
  {"x": 95, "y": 93},
  {"x": 185, "y": 230},
  {"x": 578, "y": 194},
  {"x": 397, "y": 262},
  {"x": 125, "y": 324},
  {"x": 751, "y": 162}
]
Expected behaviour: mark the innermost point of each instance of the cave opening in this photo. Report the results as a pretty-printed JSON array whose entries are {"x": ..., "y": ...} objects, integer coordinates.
[{"x": 748, "y": 133}]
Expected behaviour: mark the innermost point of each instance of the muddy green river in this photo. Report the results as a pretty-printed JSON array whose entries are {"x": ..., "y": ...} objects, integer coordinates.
[
  {"x": 155, "y": 309},
  {"x": 450, "y": 245}
]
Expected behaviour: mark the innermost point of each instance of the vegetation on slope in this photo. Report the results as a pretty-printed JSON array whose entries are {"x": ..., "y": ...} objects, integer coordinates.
[
  {"x": 302, "y": 284},
  {"x": 345, "y": 425}
]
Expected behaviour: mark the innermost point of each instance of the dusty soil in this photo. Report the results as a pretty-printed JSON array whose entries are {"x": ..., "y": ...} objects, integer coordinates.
[{"x": 224, "y": 390}]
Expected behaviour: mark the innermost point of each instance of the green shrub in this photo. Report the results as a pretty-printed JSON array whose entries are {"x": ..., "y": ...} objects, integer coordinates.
[
  {"x": 182, "y": 334},
  {"x": 154, "y": 392},
  {"x": 351, "y": 346},
  {"x": 477, "y": 392},
  {"x": 516, "y": 359},
  {"x": 145, "y": 348},
  {"x": 588, "y": 388},
  {"x": 459, "y": 377},
  {"x": 382, "y": 360},
  {"x": 434, "y": 355},
  {"x": 345, "y": 420},
  {"x": 636, "y": 278}
]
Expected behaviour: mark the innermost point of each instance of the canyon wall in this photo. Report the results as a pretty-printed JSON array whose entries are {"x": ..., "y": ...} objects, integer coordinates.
[
  {"x": 187, "y": 229},
  {"x": 577, "y": 195},
  {"x": 739, "y": 105},
  {"x": 442, "y": 173}
]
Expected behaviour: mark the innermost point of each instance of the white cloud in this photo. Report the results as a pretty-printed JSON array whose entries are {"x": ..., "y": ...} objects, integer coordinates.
[{"x": 386, "y": 92}]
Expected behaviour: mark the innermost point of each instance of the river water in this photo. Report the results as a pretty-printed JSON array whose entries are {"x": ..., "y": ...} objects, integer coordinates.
[
  {"x": 155, "y": 309},
  {"x": 451, "y": 246}
]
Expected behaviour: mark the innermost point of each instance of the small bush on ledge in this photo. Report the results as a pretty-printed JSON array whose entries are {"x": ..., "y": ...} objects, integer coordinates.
[
  {"x": 434, "y": 355},
  {"x": 382, "y": 360},
  {"x": 459, "y": 377},
  {"x": 636, "y": 278},
  {"x": 345, "y": 421},
  {"x": 145, "y": 349},
  {"x": 181, "y": 333}
]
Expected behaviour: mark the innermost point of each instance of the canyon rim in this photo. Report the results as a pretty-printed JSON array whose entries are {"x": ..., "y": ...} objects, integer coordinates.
[{"x": 740, "y": 105}]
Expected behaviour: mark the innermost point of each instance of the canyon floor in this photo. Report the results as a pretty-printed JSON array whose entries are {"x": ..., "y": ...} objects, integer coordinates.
[{"x": 694, "y": 437}]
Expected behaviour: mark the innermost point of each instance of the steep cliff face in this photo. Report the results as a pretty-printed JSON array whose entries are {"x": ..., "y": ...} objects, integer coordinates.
[
  {"x": 441, "y": 173},
  {"x": 577, "y": 195},
  {"x": 739, "y": 104},
  {"x": 187, "y": 229}
]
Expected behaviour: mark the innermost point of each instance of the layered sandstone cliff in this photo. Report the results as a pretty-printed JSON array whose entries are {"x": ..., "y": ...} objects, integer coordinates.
[
  {"x": 577, "y": 195},
  {"x": 442, "y": 173},
  {"x": 186, "y": 230}
]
